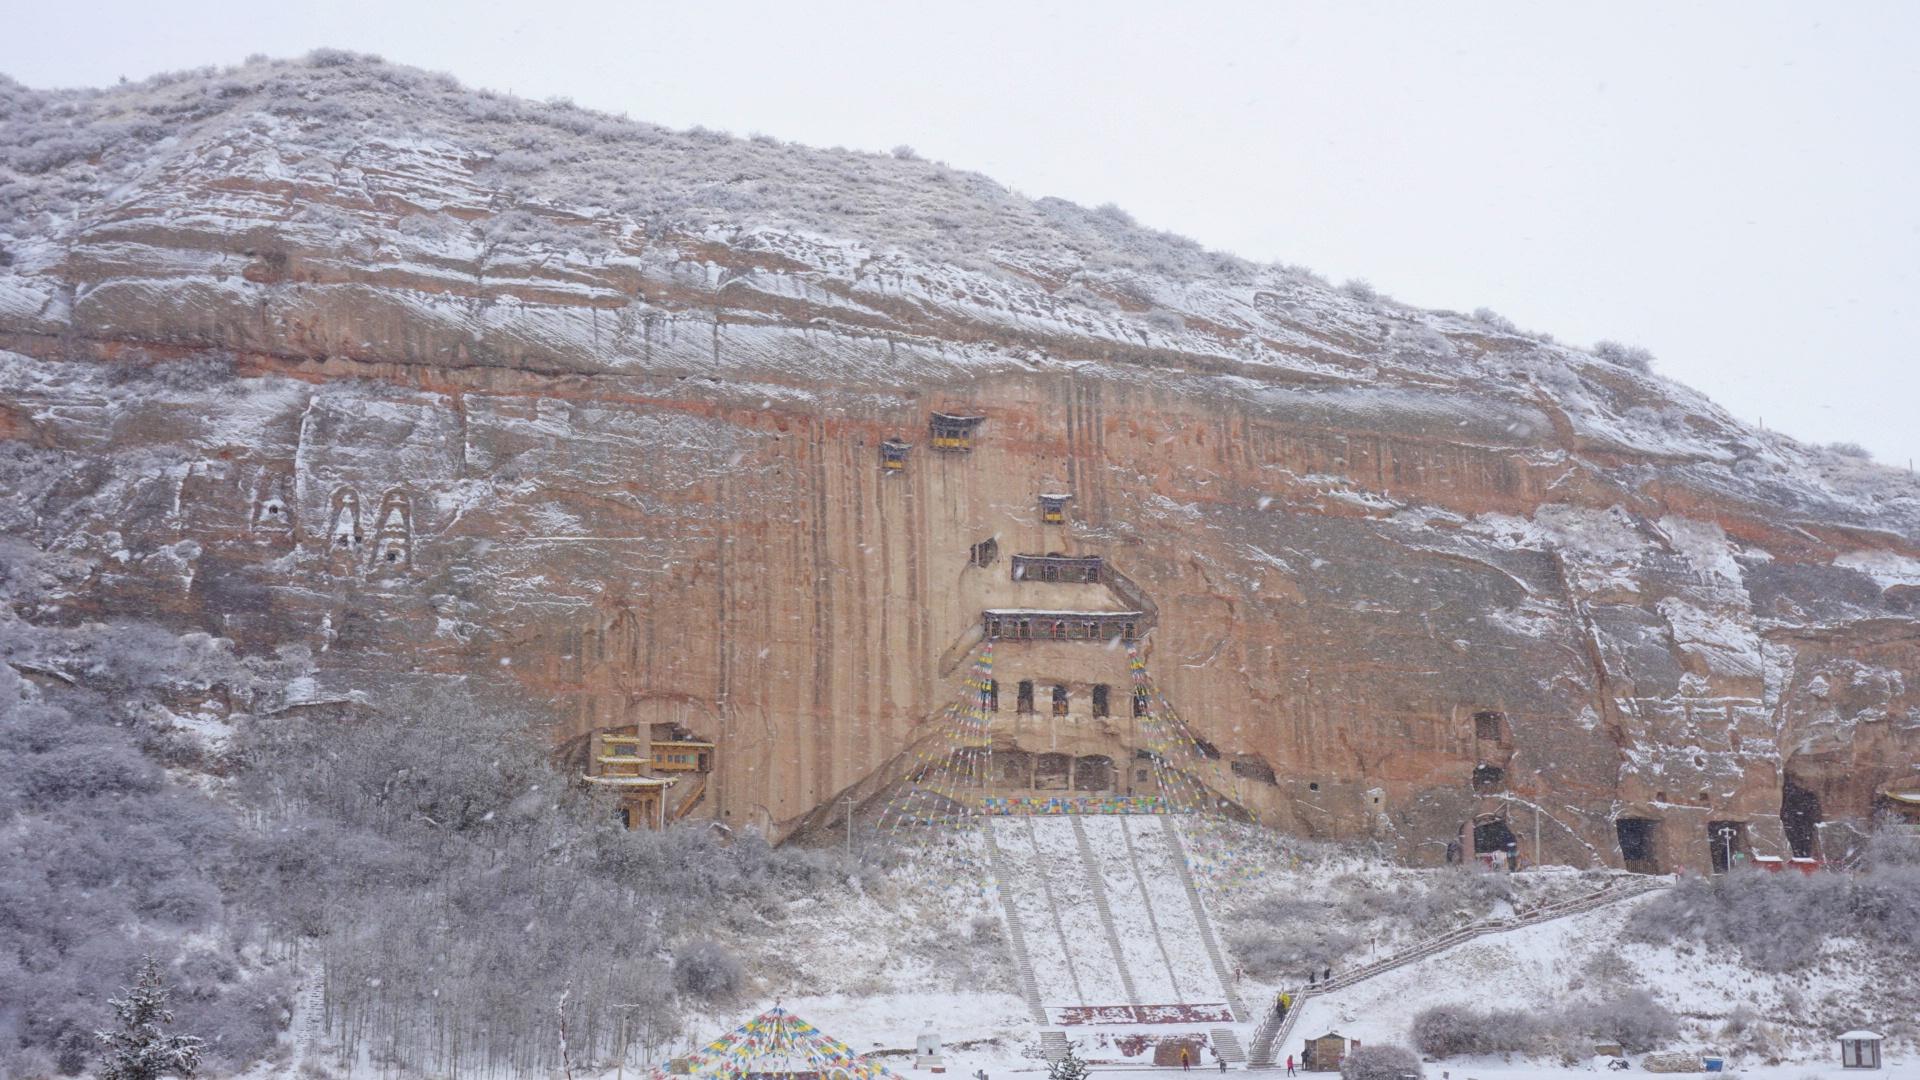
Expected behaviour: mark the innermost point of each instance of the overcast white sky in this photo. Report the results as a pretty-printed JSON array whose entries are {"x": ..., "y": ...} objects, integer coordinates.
[{"x": 1733, "y": 185}]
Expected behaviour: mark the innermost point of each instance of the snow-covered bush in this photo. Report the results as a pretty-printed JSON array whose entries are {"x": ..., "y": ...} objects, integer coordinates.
[
  {"x": 1626, "y": 356},
  {"x": 1449, "y": 1030},
  {"x": 104, "y": 857},
  {"x": 1360, "y": 289},
  {"x": 708, "y": 970},
  {"x": 1850, "y": 449},
  {"x": 1746, "y": 911},
  {"x": 1494, "y": 320},
  {"x": 1631, "y": 1018},
  {"x": 1381, "y": 1062}
]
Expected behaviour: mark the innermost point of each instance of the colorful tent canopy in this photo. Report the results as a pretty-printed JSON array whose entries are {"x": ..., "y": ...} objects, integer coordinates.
[{"x": 778, "y": 1044}]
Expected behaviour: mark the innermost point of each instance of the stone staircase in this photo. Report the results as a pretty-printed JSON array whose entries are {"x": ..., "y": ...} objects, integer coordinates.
[
  {"x": 1097, "y": 882},
  {"x": 1227, "y": 1045},
  {"x": 1053, "y": 1045},
  {"x": 1274, "y": 1032},
  {"x": 1146, "y": 901},
  {"x": 1016, "y": 938},
  {"x": 1059, "y": 923},
  {"x": 1207, "y": 936},
  {"x": 1267, "y": 1036}
]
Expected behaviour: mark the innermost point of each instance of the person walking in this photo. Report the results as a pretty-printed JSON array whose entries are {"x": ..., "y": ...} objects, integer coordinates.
[
  {"x": 1186, "y": 1060},
  {"x": 1223, "y": 1063},
  {"x": 1289, "y": 1064},
  {"x": 1327, "y": 976}
]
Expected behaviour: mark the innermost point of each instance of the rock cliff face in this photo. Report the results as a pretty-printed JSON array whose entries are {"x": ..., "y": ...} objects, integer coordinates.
[{"x": 337, "y": 355}]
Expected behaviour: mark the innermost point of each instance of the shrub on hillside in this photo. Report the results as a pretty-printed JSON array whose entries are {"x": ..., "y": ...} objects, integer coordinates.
[
  {"x": 1626, "y": 356},
  {"x": 708, "y": 970},
  {"x": 1381, "y": 1062},
  {"x": 1746, "y": 910},
  {"x": 1632, "y": 1018}
]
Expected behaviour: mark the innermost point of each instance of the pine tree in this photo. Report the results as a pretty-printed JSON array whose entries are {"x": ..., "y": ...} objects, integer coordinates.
[
  {"x": 1071, "y": 1067},
  {"x": 140, "y": 1050}
]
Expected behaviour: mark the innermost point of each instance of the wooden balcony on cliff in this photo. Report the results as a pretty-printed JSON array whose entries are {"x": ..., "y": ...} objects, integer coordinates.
[
  {"x": 1030, "y": 624},
  {"x": 1068, "y": 569}
]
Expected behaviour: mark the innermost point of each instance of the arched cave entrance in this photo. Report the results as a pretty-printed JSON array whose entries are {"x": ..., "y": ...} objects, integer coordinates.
[
  {"x": 1800, "y": 818},
  {"x": 1093, "y": 773},
  {"x": 1639, "y": 844},
  {"x": 1491, "y": 836}
]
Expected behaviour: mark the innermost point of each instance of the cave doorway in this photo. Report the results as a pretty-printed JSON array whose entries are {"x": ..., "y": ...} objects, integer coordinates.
[
  {"x": 1489, "y": 778},
  {"x": 1093, "y": 773},
  {"x": 1052, "y": 772},
  {"x": 1016, "y": 768},
  {"x": 1727, "y": 842},
  {"x": 1800, "y": 818},
  {"x": 1639, "y": 844},
  {"x": 1494, "y": 842}
]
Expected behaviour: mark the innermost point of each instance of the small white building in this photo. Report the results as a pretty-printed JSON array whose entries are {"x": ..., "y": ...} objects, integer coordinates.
[{"x": 1860, "y": 1050}]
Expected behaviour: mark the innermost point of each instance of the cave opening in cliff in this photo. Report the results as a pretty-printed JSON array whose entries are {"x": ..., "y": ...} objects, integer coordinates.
[
  {"x": 1093, "y": 773},
  {"x": 1052, "y": 772},
  {"x": 1487, "y": 778},
  {"x": 1489, "y": 726},
  {"x": 984, "y": 553},
  {"x": 1101, "y": 700},
  {"x": 1492, "y": 836},
  {"x": 1023, "y": 701},
  {"x": 1728, "y": 844},
  {"x": 1059, "y": 701},
  {"x": 1639, "y": 844},
  {"x": 1800, "y": 818}
]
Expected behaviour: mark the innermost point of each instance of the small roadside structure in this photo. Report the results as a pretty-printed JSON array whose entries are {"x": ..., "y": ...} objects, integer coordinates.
[
  {"x": 1860, "y": 1049},
  {"x": 1324, "y": 1053}
]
